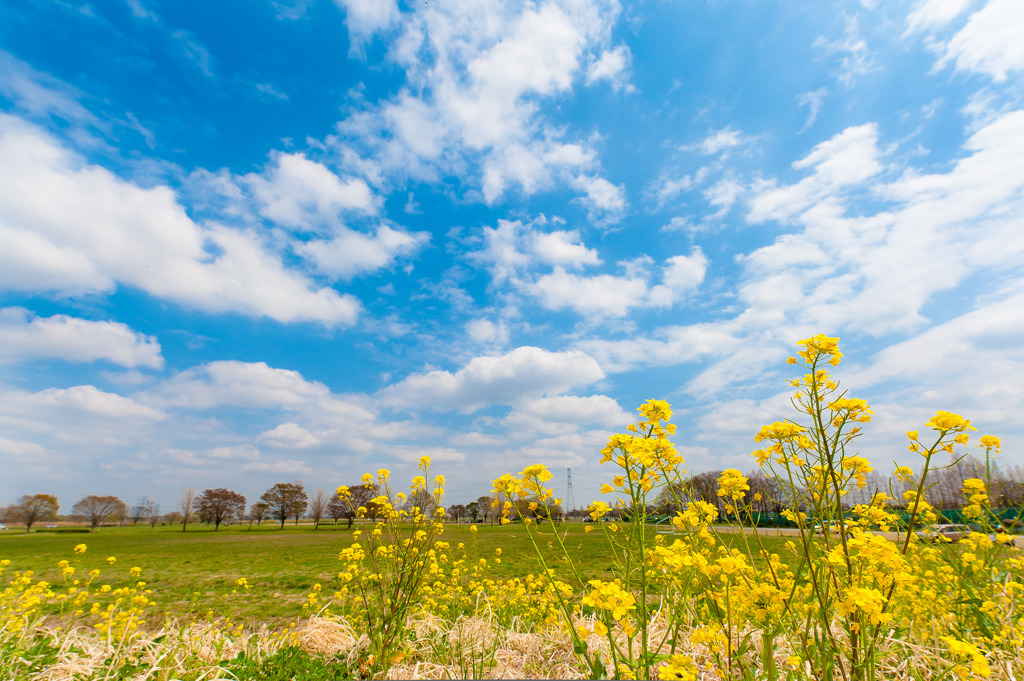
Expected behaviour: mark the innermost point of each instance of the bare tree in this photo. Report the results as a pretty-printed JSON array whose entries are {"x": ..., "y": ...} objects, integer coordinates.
[
  {"x": 456, "y": 511},
  {"x": 186, "y": 506},
  {"x": 219, "y": 505},
  {"x": 96, "y": 509},
  {"x": 318, "y": 504},
  {"x": 151, "y": 512},
  {"x": 31, "y": 508},
  {"x": 284, "y": 500}
]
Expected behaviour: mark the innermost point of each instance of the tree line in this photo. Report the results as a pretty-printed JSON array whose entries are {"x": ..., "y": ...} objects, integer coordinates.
[{"x": 286, "y": 501}]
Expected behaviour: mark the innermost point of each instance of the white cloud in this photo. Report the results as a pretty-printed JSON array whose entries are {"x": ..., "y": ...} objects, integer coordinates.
[
  {"x": 75, "y": 228},
  {"x": 412, "y": 454},
  {"x": 848, "y": 159},
  {"x": 303, "y": 194},
  {"x": 88, "y": 400},
  {"x": 234, "y": 453},
  {"x": 721, "y": 140},
  {"x": 669, "y": 345},
  {"x": 600, "y": 195},
  {"x": 598, "y": 410},
  {"x": 286, "y": 467},
  {"x": 991, "y": 41},
  {"x": 486, "y": 331},
  {"x": 855, "y": 59},
  {"x": 931, "y": 14},
  {"x": 239, "y": 384},
  {"x": 603, "y": 295},
  {"x": 25, "y": 337},
  {"x": 290, "y": 436},
  {"x": 39, "y": 94},
  {"x": 367, "y": 17},
  {"x": 476, "y": 73},
  {"x": 524, "y": 373},
  {"x": 351, "y": 253},
  {"x": 608, "y": 295},
  {"x": 563, "y": 248},
  {"x": 613, "y": 66},
  {"x": 813, "y": 101},
  {"x": 680, "y": 275},
  {"x": 20, "y": 450}
]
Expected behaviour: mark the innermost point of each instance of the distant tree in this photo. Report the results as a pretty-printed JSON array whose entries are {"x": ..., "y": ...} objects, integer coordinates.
[
  {"x": 473, "y": 509},
  {"x": 33, "y": 508},
  {"x": 485, "y": 508},
  {"x": 187, "y": 506},
  {"x": 96, "y": 509},
  {"x": 151, "y": 513},
  {"x": 352, "y": 498},
  {"x": 258, "y": 512},
  {"x": 137, "y": 512},
  {"x": 318, "y": 506},
  {"x": 284, "y": 500},
  {"x": 456, "y": 511},
  {"x": 219, "y": 505}
]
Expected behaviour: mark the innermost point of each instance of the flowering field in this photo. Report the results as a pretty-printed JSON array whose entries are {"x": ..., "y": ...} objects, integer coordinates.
[{"x": 406, "y": 596}]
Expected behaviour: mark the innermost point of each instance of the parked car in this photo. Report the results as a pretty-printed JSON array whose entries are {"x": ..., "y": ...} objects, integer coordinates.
[
  {"x": 2, "y": 526},
  {"x": 826, "y": 528},
  {"x": 950, "y": 533}
]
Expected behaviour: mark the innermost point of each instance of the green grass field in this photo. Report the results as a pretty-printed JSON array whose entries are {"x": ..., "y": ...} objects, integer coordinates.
[{"x": 196, "y": 571}]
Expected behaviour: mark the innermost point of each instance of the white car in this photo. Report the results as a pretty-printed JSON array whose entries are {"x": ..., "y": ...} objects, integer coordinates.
[
  {"x": 949, "y": 533},
  {"x": 2, "y": 526}
]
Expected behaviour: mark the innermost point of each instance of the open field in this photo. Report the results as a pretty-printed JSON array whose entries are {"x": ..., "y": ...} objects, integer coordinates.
[{"x": 196, "y": 571}]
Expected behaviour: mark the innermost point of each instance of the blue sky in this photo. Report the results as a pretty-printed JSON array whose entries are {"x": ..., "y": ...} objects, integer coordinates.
[{"x": 244, "y": 243}]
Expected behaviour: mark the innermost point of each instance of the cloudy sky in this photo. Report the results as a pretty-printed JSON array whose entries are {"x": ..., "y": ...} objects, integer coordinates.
[{"x": 244, "y": 243}]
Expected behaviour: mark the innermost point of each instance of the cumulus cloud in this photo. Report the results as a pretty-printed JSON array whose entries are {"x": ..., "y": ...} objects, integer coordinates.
[
  {"x": 476, "y": 74},
  {"x": 290, "y": 436},
  {"x": 603, "y": 295},
  {"x": 486, "y": 331},
  {"x": 239, "y": 384},
  {"x": 351, "y": 253},
  {"x": 303, "y": 194},
  {"x": 74, "y": 228},
  {"x": 24, "y": 337},
  {"x": 524, "y": 373}
]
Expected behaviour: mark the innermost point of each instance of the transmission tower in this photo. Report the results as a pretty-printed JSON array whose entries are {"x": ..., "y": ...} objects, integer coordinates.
[{"x": 570, "y": 500}]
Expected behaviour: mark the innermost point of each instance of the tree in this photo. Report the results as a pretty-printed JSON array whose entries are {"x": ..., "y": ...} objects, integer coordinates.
[
  {"x": 284, "y": 500},
  {"x": 219, "y": 505},
  {"x": 151, "y": 513},
  {"x": 473, "y": 509},
  {"x": 186, "y": 505},
  {"x": 456, "y": 511},
  {"x": 347, "y": 504},
  {"x": 485, "y": 508},
  {"x": 32, "y": 508},
  {"x": 96, "y": 509},
  {"x": 318, "y": 506},
  {"x": 259, "y": 511}
]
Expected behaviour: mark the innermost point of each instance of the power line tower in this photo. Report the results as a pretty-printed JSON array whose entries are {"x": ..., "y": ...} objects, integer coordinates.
[{"x": 570, "y": 500}]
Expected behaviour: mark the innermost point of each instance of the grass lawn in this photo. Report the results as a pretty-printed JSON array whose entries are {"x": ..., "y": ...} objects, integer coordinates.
[{"x": 196, "y": 571}]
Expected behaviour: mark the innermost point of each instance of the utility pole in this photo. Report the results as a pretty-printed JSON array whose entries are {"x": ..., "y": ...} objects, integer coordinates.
[{"x": 570, "y": 500}]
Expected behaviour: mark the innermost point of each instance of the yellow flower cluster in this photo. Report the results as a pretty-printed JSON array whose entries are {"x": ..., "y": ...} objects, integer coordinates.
[{"x": 610, "y": 596}]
